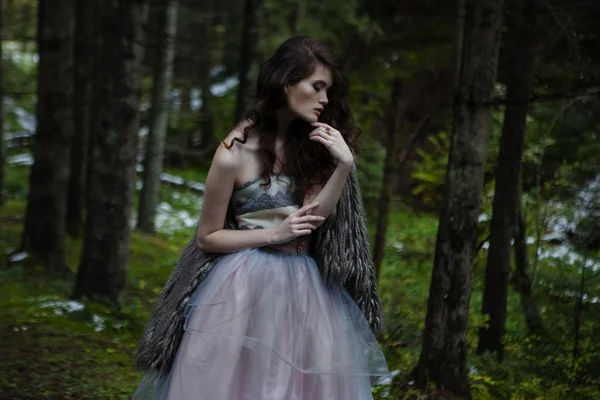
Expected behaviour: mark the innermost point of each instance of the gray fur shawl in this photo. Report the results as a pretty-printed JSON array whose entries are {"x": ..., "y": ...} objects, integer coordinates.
[{"x": 340, "y": 246}]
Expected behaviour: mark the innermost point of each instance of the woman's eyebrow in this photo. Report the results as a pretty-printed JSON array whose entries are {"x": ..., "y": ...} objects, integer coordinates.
[{"x": 321, "y": 82}]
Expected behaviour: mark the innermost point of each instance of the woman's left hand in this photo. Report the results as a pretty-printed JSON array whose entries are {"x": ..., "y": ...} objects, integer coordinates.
[{"x": 333, "y": 140}]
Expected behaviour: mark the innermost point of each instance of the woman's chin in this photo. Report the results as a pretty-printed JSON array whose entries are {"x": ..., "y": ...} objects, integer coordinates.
[{"x": 309, "y": 118}]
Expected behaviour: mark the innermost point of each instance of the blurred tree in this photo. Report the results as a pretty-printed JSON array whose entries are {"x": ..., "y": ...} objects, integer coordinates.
[
  {"x": 155, "y": 141},
  {"x": 83, "y": 61},
  {"x": 102, "y": 273},
  {"x": 443, "y": 359},
  {"x": 424, "y": 96},
  {"x": 2, "y": 151},
  {"x": 396, "y": 111},
  {"x": 521, "y": 30},
  {"x": 522, "y": 278},
  {"x": 45, "y": 216},
  {"x": 248, "y": 56},
  {"x": 208, "y": 37}
]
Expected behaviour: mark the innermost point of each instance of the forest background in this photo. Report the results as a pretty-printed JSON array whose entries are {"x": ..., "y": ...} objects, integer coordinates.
[{"x": 479, "y": 167}]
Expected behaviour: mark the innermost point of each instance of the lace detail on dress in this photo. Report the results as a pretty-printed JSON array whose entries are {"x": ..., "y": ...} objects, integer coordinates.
[
  {"x": 263, "y": 202},
  {"x": 257, "y": 206}
]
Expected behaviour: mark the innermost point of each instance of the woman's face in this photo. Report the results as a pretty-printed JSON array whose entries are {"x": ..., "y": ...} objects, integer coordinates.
[{"x": 307, "y": 98}]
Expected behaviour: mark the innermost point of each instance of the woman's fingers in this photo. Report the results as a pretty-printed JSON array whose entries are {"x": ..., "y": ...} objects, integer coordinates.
[
  {"x": 320, "y": 133},
  {"x": 302, "y": 232},
  {"x": 328, "y": 129},
  {"x": 306, "y": 208},
  {"x": 309, "y": 218},
  {"x": 304, "y": 227},
  {"x": 321, "y": 140}
]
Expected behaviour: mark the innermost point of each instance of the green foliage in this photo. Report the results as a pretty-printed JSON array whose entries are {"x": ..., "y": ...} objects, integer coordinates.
[
  {"x": 404, "y": 280},
  {"x": 370, "y": 174},
  {"x": 430, "y": 172},
  {"x": 73, "y": 350}
]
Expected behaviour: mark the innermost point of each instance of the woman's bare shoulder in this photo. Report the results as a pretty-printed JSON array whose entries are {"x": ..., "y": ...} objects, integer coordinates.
[{"x": 234, "y": 149}]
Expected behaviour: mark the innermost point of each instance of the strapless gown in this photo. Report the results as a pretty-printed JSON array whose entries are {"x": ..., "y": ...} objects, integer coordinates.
[{"x": 264, "y": 326}]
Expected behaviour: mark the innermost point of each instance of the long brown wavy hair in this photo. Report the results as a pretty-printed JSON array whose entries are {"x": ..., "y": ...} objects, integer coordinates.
[{"x": 307, "y": 162}]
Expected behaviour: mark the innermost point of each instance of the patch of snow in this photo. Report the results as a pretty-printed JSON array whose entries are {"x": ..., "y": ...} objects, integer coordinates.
[
  {"x": 98, "y": 323},
  {"x": 69, "y": 305},
  {"x": 177, "y": 180},
  {"x": 554, "y": 235},
  {"x": 398, "y": 245},
  {"x": 388, "y": 379},
  {"x": 219, "y": 89},
  {"x": 18, "y": 256},
  {"x": 21, "y": 159},
  {"x": 195, "y": 99},
  {"x": 143, "y": 131},
  {"x": 18, "y": 135},
  {"x": 196, "y": 186}
]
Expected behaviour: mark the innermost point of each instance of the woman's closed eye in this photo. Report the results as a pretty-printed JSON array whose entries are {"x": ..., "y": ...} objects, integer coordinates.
[{"x": 319, "y": 88}]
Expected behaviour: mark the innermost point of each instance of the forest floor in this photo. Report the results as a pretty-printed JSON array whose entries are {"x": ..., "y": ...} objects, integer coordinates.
[
  {"x": 57, "y": 348},
  {"x": 54, "y": 348}
]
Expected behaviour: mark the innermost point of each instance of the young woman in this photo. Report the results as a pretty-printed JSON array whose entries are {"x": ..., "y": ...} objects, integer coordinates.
[{"x": 264, "y": 324}]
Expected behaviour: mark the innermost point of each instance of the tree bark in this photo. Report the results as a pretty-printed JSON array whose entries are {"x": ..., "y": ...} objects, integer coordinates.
[
  {"x": 102, "y": 273},
  {"x": 83, "y": 56},
  {"x": 522, "y": 279},
  {"x": 2, "y": 151},
  {"x": 155, "y": 146},
  {"x": 577, "y": 314},
  {"x": 248, "y": 54},
  {"x": 443, "y": 359},
  {"x": 205, "y": 118},
  {"x": 298, "y": 15},
  {"x": 506, "y": 193},
  {"x": 383, "y": 209},
  {"x": 206, "y": 121},
  {"x": 45, "y": 216}
]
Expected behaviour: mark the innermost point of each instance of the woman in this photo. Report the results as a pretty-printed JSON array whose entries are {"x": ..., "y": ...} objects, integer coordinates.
[{"x": 264, "y": 324}]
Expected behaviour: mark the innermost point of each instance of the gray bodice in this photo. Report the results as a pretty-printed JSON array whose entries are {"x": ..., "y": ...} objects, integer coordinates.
[{"x": 258, "y": 207}]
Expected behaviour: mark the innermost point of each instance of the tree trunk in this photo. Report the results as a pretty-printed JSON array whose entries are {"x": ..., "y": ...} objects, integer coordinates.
[
  {"x": 155, "y": 146},
  {"x": 205, "y": 118},
  {"x": 102, "y": 274},
  {"x": 406, "y": 124},
  {"x": 577, "y": 314},
  {"x": 248, "y": 54},
  {"x": 2, "y": 151},
  {"x": 393, "y": 130},
  {"x": 45, "y": 216},
  {"x": 83, "y": 57},
  {"x": 506, "y": 193},
  {"x": 206, "y": 121},
  {"x": 522, "y": 280},
  {"x": 443, "y": 359},
  {"x": 298, "y": 15}
]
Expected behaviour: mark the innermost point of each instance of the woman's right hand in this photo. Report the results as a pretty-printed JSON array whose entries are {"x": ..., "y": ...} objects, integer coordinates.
[{"x": 297, "y": 224}]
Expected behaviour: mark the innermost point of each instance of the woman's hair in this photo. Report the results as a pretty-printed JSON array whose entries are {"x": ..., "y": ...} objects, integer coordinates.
[{"x": 306, "y": 162}]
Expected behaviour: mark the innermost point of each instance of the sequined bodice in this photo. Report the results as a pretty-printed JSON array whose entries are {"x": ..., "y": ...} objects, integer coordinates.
[{"x": 258, "y": 207}]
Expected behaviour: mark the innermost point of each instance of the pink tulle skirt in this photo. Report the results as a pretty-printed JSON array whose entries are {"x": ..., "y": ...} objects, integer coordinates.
[{"x": 264, "y": 326}]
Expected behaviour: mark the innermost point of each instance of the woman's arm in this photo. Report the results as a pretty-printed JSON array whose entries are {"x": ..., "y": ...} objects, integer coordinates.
[
  {"x": 213, "y": 238},
  {"x": 328, "y": 195}
]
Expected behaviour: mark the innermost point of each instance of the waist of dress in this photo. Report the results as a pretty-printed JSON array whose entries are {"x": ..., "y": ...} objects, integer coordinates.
[{"x": 298, "y": 246}]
